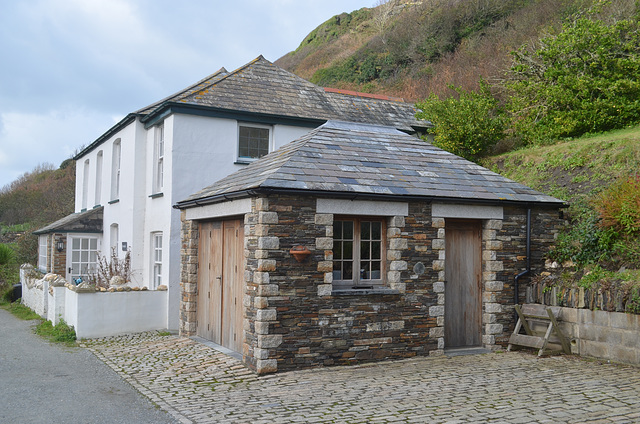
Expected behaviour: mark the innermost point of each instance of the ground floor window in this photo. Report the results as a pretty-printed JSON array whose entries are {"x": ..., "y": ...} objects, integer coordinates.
[
  {"x": 358, "y": 249},
  {"x": 42, "y": 253},
  {"x": 84, "y": 257},
  {"x": 156, "y": 239}
]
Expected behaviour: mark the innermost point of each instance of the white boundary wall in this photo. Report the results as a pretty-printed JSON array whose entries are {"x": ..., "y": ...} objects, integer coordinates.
[{"x": 95, "y": 314}]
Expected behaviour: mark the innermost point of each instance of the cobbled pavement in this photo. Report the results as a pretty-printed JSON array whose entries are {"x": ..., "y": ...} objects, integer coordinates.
[{"x": 197, "y": 384}]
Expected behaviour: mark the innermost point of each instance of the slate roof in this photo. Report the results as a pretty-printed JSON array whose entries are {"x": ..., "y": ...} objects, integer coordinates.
[
  {"x": 80, "y": 222},
  {"x": 368, "y": 161},
  {"x": 260, "y": 87}
]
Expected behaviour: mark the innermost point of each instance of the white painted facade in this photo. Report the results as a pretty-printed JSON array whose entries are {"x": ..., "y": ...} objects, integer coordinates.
[{"x": 198, "y": 150}]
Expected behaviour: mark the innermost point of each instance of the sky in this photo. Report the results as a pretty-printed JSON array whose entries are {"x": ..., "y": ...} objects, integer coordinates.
[{"x": 70, "y": 69}]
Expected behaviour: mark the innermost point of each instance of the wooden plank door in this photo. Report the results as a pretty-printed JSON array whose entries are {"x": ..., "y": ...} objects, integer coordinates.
[
  {"x": 209, "y": 281},
  {"x": 233, "y": 285},
  {"x": 221, "y": 283},
  {"x": 463, "y": 289}
]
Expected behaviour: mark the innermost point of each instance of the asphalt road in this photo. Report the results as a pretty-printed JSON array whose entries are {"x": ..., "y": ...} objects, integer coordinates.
[{"x": 42, "y": 382}]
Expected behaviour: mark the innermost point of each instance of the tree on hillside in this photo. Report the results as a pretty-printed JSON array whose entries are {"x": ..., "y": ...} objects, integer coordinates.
[
  {"x": 467, "y": 124},
  {"x": 39, "y": 197},
  {"x": 586, "y": 79}
]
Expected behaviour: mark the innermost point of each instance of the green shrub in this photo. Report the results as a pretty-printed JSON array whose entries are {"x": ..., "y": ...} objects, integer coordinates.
[
  {"x": 7, "y": 255},
  {"x": 584, "y": 80},
  {"x": 467, "y": 125}
]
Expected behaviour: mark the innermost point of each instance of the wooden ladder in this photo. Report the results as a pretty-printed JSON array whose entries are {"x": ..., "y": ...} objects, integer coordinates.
[{"x": 528, "y": 316}]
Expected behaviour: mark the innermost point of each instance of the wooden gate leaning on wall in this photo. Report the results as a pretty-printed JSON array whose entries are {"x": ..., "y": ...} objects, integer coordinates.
[{"x": 221, "y": 283}]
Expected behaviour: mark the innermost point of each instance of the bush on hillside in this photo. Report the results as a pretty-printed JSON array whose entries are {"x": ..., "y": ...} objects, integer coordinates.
[
  {"x": 468, "y": 124},
  {"x": 619, "y": 206},
  {"x": 584, "y": 80}
]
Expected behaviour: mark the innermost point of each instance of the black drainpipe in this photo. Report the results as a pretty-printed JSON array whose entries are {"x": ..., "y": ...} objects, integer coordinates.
[{"x": 528, "y": 270}]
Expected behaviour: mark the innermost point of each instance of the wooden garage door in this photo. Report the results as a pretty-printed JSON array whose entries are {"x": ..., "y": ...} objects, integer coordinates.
[
  {"x": 463, "y": 290},
  {"x": 221, "y": 283}
]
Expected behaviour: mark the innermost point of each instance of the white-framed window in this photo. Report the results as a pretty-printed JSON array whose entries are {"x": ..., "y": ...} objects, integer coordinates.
[
  {"x": 158, "y": 166},
  {"x": 358, "y": 252},
  {"x": 85, "y": 184},
  {"x": 114, "y": 237},
  {"x": 116, "y": 156},
  {"x": 42, "y": 252},
  {"x": 156, "y": 259},
  {"x": 98, "y": 192},
  {"x": 83, "y": 256},
  {"x": 254, "y": 141}
]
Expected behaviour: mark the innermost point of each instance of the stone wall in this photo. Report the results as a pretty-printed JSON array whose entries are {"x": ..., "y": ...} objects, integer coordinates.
[{"x": 295, "y": 317}]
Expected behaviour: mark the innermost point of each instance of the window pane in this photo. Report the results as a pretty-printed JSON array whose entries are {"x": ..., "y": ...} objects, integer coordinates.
[
  {"x": 347, "y": 270},
  {"x": 337, "y": 250},
  {"x": 94, "y": 244},
  {"x": 348, "y": 230},
  {"x": 75, "y": 256},
  {"x": 348, "y": 250},
  {"x": 84, "y": 243},
  {"x": 365, "y": 230},
  {"x": 337, "y": 229},
  {"x": 376, "y": 231},
  {"x": 75, "y": 244},
  {"x": 364, "y": 250},
  {"x": 84, "y": 256},
  {"x": 376, "y": 250}
]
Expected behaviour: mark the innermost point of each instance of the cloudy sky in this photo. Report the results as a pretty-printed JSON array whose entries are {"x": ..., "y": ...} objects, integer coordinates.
[{"x": 72, "y": 68}]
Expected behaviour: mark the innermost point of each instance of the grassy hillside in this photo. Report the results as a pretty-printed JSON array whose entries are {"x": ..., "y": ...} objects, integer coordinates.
[
  {"x": 574, "y": 170},
  {"x": 411, "y": 48},
  {"x": 597, "y": 175}
]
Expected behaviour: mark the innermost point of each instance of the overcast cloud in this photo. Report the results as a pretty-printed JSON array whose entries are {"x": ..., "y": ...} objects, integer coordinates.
[{"x": 73, "y": 68}]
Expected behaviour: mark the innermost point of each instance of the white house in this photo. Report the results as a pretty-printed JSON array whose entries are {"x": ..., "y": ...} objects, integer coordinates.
[{"x": 128, "y": 179}]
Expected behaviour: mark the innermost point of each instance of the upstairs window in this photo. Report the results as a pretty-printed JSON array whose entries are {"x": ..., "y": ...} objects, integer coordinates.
[
  {"x": 98, "y": 192},
  {"x": 158, "y": 168},
  {"x": 357, "y": 252},
  {"x": 115, "y": 170},
  {"x": 253, "y": 142},
  {"x": 85, "y": 185}
]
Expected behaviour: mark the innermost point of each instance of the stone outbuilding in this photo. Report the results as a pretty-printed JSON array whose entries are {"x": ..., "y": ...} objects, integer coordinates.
[{"x": 358, "y": 243}]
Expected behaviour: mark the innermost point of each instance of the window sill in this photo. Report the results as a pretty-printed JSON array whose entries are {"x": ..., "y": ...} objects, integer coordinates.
[
  {"x": 363, "y": 292},
  {"x": 111, "y": 202},
  {"x": 242, "y": 162},
  {"x": 156, "y": 195}
]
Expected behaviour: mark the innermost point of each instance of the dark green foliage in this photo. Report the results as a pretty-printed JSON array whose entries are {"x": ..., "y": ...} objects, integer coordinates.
[
  {"x": 468, "y": 124},
  {"x": 9, "y": 270},
  {"x": 584, "y": 80}
]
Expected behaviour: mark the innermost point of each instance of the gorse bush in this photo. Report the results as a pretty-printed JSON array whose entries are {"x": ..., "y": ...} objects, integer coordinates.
[
  {"x": 467, "y": 125},
  {"x": 619, "y": 206}
]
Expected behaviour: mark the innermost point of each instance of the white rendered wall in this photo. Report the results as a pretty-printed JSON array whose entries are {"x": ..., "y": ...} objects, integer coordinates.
[
  {"x": 198, "y": 151},
  {"x": 108, "y": 314}
]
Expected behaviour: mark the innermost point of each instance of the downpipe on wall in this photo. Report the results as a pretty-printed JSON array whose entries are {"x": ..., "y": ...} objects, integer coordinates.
[{"x": 527, "y": 271}]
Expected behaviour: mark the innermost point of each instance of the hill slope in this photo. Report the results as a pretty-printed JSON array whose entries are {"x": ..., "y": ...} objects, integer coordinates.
[{"x": 410, "y": 48}]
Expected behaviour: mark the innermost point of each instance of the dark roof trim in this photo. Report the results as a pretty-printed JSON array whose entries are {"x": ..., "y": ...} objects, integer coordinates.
[
  {"x": 355, "y": 196},
  {"x": 201, "y": 110},
  {"x": 110, "y": 132}
]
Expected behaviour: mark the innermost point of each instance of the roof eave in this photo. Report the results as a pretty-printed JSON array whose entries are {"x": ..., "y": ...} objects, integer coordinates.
[
  {"x": 219, "y": 198},
  {"x": 108, "y": 134}
]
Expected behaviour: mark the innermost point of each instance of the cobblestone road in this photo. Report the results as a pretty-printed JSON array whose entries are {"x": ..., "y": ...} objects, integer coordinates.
[{"x": 197, "y": 384}]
